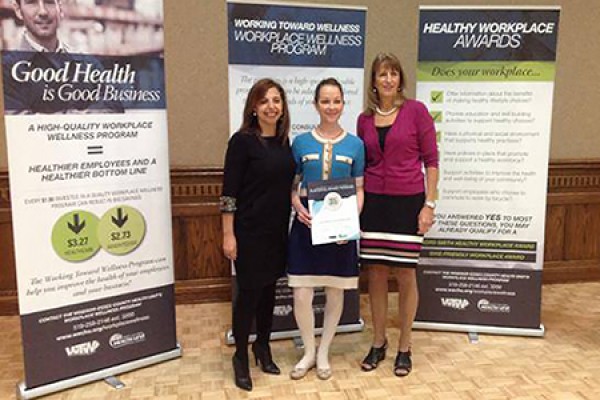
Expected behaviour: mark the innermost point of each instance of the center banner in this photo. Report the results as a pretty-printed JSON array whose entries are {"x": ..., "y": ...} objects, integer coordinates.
[{"x": 298, "y": 45}]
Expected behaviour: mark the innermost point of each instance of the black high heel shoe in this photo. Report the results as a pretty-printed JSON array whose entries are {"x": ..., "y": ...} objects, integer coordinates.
[
  {"x": 403, "y": 363},
  {"x": 263, "y": 357},
  {"x": 241, "y": 374},
  {"x": 375, "y": 356}
]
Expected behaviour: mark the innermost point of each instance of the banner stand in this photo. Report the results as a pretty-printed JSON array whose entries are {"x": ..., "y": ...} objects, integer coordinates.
[
  {"x": 304, "y": 44},
  {"x": 492, "y": 330},
  {"x": 24, "y": 393},
  {"x": 346, "y": 328},
  {"x": 482, "y": 262}
]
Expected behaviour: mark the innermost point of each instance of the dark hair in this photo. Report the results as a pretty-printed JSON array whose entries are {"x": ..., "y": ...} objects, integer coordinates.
[
  {"x": 328, "y": 82},
  {"x": 19, "y": 2},
  {"x": 250, "y": 121},
  {"x": 384, "y": 60}
]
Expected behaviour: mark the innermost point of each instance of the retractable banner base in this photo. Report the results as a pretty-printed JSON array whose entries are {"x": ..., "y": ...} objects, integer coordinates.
[
  {"x": 284, "y": 323},
  {"x": 492, "y": 330},
  {"x": 25, "y": 393},
  {"x": 347, "y": 328}
]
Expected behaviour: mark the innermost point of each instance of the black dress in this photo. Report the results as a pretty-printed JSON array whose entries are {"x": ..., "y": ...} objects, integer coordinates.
[{"x": 258, "y": 174}]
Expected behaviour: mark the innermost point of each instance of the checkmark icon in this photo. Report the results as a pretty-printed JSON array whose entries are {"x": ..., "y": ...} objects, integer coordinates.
[
  {"x": 436, "y": 115},
  {"x": 437, "y": 96}
]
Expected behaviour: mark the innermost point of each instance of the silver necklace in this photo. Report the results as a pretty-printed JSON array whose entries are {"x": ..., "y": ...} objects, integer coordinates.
[{"x": 385, "y": 113}]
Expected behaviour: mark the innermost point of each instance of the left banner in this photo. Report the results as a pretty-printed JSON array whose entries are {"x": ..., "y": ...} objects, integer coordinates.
[{"x": 86, "y": 129}]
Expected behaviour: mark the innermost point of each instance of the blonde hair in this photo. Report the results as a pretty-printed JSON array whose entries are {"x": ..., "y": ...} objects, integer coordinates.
[{"x": 384, "y": 60}]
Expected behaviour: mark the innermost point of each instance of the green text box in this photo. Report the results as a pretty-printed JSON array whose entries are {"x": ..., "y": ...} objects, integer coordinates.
[{"x": 486, "y": 71}]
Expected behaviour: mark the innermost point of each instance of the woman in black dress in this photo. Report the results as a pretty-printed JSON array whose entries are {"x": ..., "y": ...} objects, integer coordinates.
[{"x": 255, "y": 206}]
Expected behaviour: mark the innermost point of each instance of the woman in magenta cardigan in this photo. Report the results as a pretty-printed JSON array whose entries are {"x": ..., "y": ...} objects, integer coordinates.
[{"x": 400, "y": 140}]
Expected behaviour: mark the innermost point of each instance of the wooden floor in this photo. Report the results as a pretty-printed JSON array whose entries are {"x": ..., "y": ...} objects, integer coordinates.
[{"x": 565, "y": 364}]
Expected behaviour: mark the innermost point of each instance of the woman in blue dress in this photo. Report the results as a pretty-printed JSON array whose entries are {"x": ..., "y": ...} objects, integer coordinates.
[{"x": 327, "y": 152}]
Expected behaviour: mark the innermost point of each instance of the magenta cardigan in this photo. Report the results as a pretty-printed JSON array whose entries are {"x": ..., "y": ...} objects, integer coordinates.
[{"x": 410, "y": 143}]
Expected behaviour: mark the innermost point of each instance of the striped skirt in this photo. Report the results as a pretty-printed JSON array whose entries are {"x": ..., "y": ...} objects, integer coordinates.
[{"x": 389, "y": 225}]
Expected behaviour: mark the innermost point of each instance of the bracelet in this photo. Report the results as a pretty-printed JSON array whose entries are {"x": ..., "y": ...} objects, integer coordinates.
[{"x": 227, "y": 204}]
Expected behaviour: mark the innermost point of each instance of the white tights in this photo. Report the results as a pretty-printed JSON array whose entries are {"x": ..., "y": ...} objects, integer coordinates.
[{"x": 305, "y": 318}]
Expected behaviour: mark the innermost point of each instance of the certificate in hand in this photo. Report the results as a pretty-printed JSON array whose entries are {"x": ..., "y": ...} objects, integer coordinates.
[{"x": 333, "y": 207}]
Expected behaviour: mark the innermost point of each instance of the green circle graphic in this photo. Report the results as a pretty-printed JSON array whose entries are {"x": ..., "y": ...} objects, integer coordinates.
[
  {"x": 74, "y": 236},
  {"x": 121, "y": 230}
]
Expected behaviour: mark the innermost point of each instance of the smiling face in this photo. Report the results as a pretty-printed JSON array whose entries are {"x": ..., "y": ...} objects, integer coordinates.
[
  {"x": 41, "y": 19},
  {"x": 330, "y": 104},
  {"x": 387, "y": 82},
  {"x": 269, "y": 109}
]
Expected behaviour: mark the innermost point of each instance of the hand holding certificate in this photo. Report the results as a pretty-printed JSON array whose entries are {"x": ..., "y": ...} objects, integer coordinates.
[{"x": 333, "y": 207}]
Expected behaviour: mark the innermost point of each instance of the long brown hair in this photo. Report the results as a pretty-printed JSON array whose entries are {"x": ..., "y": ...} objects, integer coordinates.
[
  {"x": 384, "y": 60},
  {"x": 250, "y": 121}
]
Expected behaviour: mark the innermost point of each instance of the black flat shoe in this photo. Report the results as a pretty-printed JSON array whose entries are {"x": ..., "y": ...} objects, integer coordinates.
[
  {"x": 241, "y": 374},
  {"x": 375, "y": 356},
  {"x": 403, "y": 364},
  {"x": 263, "y": 357}
]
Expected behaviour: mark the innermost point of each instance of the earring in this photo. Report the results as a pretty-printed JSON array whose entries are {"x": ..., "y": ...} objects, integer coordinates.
[
  {"x": 254, "y": 113},
  {"x": 374, "y": 90}
]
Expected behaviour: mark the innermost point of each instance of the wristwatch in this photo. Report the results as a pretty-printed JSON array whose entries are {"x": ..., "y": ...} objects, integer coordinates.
[{"x": 430, "y": 204}]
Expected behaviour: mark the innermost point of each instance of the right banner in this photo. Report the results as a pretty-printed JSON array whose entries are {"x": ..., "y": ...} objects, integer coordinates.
[{"x": 487, "y": 77}]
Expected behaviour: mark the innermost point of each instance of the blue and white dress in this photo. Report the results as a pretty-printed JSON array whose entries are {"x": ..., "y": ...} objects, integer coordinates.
[{"x": 326, "y": 265}]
